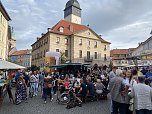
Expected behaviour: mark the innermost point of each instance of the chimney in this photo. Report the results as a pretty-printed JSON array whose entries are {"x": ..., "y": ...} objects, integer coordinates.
[
  {"x": 139, "y": 43},
  {"x": 42, "y": 34},
  {"x": 49, "y": 29},
  {"x": 100, "y": 35},
  {"x": 38, "y": 38}
]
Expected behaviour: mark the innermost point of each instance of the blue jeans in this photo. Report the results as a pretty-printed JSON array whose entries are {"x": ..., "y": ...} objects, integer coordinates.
[
  {"x": 121, "y": 107},
  {"x": 143, "y": 111}
]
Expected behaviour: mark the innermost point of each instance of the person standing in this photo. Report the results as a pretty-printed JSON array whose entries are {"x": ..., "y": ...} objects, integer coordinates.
[
  {"x": 148, "y": 76},
  {"x": 113, "y": 73},
  {"x": 21, "y": 93},
  {"x": 33, "y": 82},
  {"x": 47, "y": 88},
  {"x": 27, "y": 82},
  {"x": 117, "y": 91},
  {"x": 41, "y": 80},
  {"x": 142, "y": 95}
]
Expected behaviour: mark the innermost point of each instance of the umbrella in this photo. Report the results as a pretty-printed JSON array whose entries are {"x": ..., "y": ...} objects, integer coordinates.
[{"x": 8, "y": 65}]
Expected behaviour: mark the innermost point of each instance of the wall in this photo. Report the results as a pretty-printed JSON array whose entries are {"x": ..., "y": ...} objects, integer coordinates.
[{"x": 3, "y": 37}]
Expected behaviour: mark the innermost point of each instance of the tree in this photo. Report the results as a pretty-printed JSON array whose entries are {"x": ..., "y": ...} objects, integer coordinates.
[
  {"x": 63, "y": 58},
  {"x": 34, "y": 68}
]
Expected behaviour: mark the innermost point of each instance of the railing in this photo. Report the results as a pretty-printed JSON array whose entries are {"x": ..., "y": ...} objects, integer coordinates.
[{"x": 87, "y": 59}]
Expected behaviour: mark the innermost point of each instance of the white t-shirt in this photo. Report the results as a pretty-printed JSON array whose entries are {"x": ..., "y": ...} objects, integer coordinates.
[
  {"x": 131, "y": 84},
  {"x": 33, "y": 79}
]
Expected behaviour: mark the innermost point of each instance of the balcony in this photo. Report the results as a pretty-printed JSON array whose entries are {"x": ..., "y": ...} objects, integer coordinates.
[
  {"x": 95, "y": 46},
  {"x": 87, "y": 59},
  {"x": 80, "y": 43}
]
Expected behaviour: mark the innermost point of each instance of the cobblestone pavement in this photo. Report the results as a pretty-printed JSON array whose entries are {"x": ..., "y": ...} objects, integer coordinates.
[{"x": 35, "y": 106}]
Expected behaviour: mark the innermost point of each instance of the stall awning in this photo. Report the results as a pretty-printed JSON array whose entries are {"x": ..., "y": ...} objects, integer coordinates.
[
  {"x": 57, "y": 66},
  {"x": 8, "y": 65}
]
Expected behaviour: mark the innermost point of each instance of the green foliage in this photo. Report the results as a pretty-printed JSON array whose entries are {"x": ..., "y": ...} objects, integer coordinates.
[{"x": 34, "y": 68}]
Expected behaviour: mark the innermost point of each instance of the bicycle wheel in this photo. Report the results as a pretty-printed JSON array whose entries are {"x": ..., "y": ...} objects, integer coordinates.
[{"x": 64, "y": 98}]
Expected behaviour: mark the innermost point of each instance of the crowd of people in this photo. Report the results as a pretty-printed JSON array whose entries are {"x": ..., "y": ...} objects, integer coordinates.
[
  {"x": 131, "y": 91},
  {"x": 130, "y": 88}
]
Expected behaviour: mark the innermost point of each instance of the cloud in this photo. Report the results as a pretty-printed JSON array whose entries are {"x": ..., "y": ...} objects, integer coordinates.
[{"x": 122, "y": 22}]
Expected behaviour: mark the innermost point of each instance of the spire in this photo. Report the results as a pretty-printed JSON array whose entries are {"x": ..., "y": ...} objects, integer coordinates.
[{"x": 13, "y": 35}]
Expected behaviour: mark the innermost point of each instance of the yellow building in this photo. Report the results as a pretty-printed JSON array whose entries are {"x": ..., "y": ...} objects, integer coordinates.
[
  {"x": 4, "y": 22},
  {"x": 78, "y": 42}
]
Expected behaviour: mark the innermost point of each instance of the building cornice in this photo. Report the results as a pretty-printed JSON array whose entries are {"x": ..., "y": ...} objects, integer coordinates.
[{"x": 4, "y": 12}]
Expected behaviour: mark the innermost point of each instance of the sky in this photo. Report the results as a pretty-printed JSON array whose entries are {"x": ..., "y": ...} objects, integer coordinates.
[{"x": 124, "y": 23}]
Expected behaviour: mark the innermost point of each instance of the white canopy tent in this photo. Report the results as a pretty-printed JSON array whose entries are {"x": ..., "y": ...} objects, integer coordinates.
[{"x": 8, "y": 65}]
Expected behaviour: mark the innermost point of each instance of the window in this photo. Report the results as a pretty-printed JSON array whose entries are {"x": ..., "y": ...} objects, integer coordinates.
[
  {"x": 105, "y": 47},
  {"x": 66, "y": 53},
  {"x": 105, "y": 57},
  {"x": 41, "y": 54},
  {"x": 57, "y": 50},
  {"x": 61, "y": 29},
  {"x": 80, "y": 53},
  {"x": 88, "y": 42},
  {"x": 66, "y": 41},
  {"x": 95, "y": 55},
  {"x": 1, "y": 18},
  {"x": 80, "y": 43},
  {"x": 88, "y": 54},
  {"x": 57, "y": 39},
  {"x": 47, "y": 40},
  {"x": 95, "y": 44},
  {"x": 42, "y": 43},
  {"x": 44, "y": 54}
]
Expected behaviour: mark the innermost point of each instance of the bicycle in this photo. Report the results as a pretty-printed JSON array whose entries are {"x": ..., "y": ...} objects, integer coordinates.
[{"x": 69, "y": 98}]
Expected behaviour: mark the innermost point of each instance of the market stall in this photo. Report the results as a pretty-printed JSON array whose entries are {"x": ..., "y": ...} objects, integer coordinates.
[{"x": 5, "y": 67}]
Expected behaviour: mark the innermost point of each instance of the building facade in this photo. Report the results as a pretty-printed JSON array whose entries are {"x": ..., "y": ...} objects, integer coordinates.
[
  {"x": 78, "y": 42},
  {"x": 11, "y": 41},
  {"x": 144, "y": 52},
  {"x": 4, "y": 33},
  {"x": 21, "y": 57},
  {"x": 119, "y": 57}
]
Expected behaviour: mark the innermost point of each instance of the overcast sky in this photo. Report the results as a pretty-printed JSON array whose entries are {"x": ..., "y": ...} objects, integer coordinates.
[{"x": 124, "y": 23}]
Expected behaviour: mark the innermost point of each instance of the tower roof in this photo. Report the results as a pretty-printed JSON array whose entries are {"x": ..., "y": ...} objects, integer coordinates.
[{"x": 74, "y": 3}]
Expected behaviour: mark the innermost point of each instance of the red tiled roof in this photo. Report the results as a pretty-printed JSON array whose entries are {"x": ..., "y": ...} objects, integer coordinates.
[
  {"x": 69, "y": 28},
  {"x": 119, "y": 51},
  {"x": 21, "y": 52}
]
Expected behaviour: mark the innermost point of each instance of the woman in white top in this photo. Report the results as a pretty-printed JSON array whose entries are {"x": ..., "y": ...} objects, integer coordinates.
[{"x": 129, "y": 80}]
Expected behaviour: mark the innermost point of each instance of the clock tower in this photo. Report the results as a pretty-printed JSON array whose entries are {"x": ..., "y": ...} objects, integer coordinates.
[{"x": 72, "y": 12}]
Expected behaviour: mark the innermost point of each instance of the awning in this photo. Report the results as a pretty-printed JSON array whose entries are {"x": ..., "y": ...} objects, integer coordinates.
[
  {"x": 57, "y": 66},
  {"x": 5, "y": 65}
]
